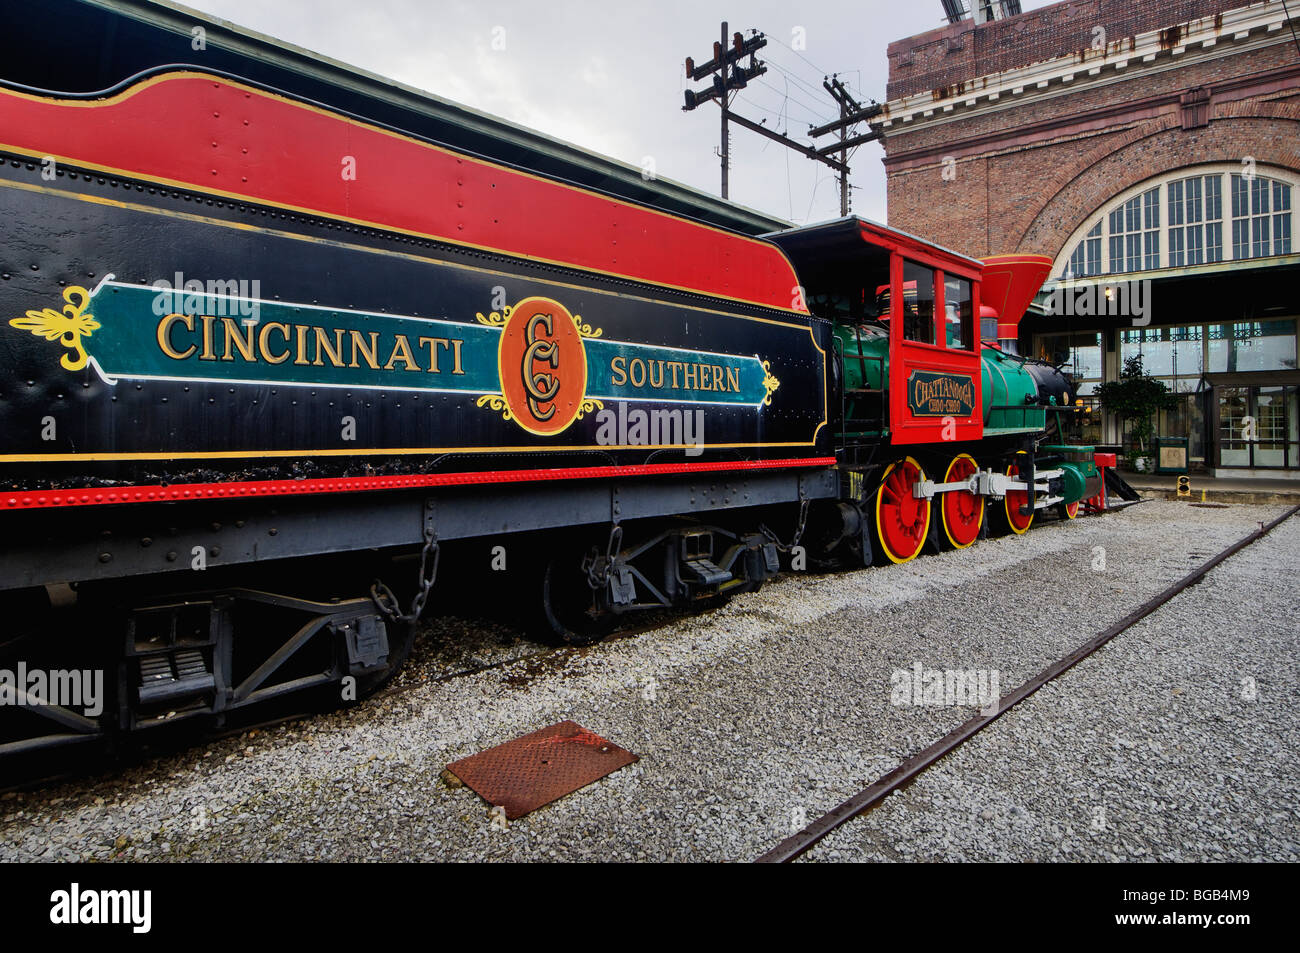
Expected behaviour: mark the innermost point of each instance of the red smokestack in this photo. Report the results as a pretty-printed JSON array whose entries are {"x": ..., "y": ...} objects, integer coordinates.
[{"x": 1010, "y": 283}]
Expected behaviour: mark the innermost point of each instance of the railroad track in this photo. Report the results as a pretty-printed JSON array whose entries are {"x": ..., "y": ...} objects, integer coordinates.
[{"x": 871, "y": 796}]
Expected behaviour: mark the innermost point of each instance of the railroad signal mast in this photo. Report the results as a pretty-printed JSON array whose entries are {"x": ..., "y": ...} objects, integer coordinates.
[{"x": 731, "y": 75}]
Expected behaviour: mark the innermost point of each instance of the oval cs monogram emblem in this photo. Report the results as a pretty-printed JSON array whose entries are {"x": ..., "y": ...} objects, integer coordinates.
[{"x": 543, "y": 366}]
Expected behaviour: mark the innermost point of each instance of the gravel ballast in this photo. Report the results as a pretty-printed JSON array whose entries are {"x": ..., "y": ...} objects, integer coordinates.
[{"x": 755, "y": 718}]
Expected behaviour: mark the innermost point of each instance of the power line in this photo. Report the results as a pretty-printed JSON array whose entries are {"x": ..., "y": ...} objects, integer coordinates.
[
  {"x": 793, "y": 77},
  {"x": 819, "y": 117},
  {"x": 816, "y": 185},
  {"x": 814, "y": 65},
  {"x": 731, "y": 76},
  {"x": 816, "y": 92},
  {"x": 818, "y": 112},
  {"x": 782, "y": 114},
  {"x": 802, "y": 57},
  {"x": 813, "y": 108},
  {"x": 770, "y": 112}
]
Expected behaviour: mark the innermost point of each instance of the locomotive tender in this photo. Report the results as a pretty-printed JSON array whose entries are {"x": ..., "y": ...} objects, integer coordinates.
[{"x": 270, "y": 366}]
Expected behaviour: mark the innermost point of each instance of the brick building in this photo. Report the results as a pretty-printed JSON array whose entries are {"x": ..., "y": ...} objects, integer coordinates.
[{"x": 1156, "y": 141}]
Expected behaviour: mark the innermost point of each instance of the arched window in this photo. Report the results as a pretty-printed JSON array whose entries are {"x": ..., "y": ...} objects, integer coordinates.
[
  {"x": 1190, "y": 217},
  {"x": 1086, "y": 259}
]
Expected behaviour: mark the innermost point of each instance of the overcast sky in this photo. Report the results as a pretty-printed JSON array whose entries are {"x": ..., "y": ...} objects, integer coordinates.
[{"x": 608, "y": 76}]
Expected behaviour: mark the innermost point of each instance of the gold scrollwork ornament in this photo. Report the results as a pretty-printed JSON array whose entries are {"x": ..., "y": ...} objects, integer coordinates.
[
  {"x": 67, "y": 327},
  {"x": 496, "y": 402},
  {"x": 588, "y": 405},
  {"x": 496, "y": 319},
  {"x": 770, "y": 383}
]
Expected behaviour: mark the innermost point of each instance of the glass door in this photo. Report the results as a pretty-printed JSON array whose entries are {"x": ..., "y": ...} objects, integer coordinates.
[
  {"x": 1275, "y": 441},
  {"x": 1270, "y": 417},
  {"x": 1234, "y": 403}
]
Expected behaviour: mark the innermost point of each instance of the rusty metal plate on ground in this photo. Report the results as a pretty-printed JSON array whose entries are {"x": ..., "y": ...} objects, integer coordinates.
[{"x": 524, "y": 774}]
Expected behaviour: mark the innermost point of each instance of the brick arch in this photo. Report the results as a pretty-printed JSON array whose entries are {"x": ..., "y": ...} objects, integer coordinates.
[
  {"x": 1256, "y": 110},
  {"x": 1268, "y": 131}
]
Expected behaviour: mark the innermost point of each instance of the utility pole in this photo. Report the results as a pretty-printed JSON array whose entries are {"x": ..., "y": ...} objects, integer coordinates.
[
  {"x": 851, "y": 113},
  {"x": 847, "y": 104},
  {"x": 726, "y": 144},
  {"x": 730, "y": 76},
  {"x": 733, "y": 76}
]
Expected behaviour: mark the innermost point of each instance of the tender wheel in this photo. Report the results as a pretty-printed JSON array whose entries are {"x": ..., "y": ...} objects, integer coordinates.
[
  {"x": 569, "y": 613},
  {"x": 961, "y": 513},
  {"x": 901, "y": 522},
  {"x": 1012, "y": 518}
]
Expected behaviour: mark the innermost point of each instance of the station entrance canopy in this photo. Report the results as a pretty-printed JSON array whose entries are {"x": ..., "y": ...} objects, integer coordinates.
[{"x": 1222, "y": 335}]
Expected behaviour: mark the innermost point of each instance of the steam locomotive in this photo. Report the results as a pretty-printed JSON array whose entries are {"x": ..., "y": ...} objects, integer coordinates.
[{"x": 273, "y": 372}]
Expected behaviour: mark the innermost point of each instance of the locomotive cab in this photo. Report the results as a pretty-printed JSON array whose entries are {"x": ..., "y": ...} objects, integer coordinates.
[{"x": 904, "y": 312}]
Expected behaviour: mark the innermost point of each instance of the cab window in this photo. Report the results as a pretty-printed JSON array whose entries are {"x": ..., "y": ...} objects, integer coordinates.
[
  {"x": 918, "y": 303},
  {"x": 959, "y": 313}
]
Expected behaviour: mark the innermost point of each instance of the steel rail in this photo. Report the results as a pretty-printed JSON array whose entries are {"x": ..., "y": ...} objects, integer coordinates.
[{"x": 798, "y": 844}]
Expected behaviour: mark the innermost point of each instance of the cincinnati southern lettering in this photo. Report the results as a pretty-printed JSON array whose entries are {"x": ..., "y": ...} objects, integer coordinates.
[
  {"x": 211, "y": 338},
  {"x": 658, "y": 374}
]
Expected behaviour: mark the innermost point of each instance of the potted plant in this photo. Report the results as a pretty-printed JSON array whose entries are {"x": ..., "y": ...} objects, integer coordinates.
[{"x": 1137, "y": 397}]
